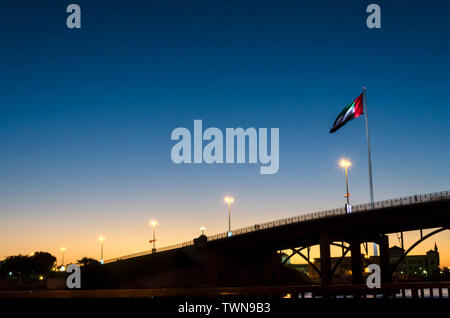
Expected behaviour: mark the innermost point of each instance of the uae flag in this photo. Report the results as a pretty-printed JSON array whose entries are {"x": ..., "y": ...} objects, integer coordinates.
[{"x": 349, "y": 112}]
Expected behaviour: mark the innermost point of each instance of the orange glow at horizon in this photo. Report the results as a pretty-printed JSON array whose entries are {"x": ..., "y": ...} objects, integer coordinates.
[{"x": 78, "y": 228}]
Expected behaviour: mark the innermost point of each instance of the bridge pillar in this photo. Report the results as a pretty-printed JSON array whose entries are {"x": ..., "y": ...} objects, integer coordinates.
[
  {"x": 385, "y": 264},
  {"x": 325, "y": 259},
  {"x": 355, "y": 249}
]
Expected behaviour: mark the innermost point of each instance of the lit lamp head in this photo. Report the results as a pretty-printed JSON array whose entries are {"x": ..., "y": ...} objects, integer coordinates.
[
  {"x": 345, "y": 163},
  {"x": 153, "y": 223},
  {"x": 101, "y": 239},
  {"x": 203, "y": 229},
  {"x": 63, "y": 249},
  {"x": 229, "y": 200}
]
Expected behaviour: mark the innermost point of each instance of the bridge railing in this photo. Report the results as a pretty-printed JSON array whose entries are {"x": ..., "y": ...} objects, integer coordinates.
[
  {"x": 339, "y": 211},
  {"x": 162, "y": 249},
  {"x": 418, "y": 198}
]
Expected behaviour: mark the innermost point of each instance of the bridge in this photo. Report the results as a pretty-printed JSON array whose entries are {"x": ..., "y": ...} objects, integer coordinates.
[{"x": 250, "y": 256}]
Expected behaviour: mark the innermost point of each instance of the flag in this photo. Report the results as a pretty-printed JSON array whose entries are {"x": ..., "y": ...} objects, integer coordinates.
[{"x": 349, "y": 112}]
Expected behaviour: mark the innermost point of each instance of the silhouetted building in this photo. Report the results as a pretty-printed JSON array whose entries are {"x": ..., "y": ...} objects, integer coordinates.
[
  {"x": 415, "y": 265},
  {"x": 304, "y": 268},
  {"x": 343, "y": 269}
]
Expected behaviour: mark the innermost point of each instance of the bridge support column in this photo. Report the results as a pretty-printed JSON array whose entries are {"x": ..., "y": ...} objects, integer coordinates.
[
  {"x": 385, "y": 264},
  {"x": 355, "y": 249},
  {"x": 325, "y": 259}
]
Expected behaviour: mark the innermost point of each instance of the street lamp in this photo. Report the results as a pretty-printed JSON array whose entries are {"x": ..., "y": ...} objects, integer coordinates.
[
  {"x": 63, "y": 249},
  {"x": 203, "y": 229},
  {"x": 101, "y": 239},
  {"x": 229, "y": 200},
  {"x": 153, "y": 224},
  {"x": 345, "y": 164}
]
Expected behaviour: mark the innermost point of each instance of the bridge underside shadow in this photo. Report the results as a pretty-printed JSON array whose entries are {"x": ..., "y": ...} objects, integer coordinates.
[{"x": 202, "y": 266}]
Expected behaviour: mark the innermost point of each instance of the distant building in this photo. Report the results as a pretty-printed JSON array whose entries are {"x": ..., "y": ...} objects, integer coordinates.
[
  {"x": 343, "y": 269},
  {"x": 304, "y": 268},
  {"x": 416, "y": 265}
]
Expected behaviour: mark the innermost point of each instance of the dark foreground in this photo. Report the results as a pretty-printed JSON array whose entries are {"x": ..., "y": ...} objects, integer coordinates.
[
  {"x": 422, "y": 290},
  {"x": 215, "y": 301},
  {"x": 225, "y": 306}
]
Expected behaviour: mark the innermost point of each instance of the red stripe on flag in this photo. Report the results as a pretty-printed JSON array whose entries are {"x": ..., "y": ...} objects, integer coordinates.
[{"x": 359, "y": 109}]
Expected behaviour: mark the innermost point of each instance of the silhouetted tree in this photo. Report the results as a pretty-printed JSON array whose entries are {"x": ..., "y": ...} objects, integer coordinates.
[
  {"x": 43, "y": 262},
  {"x": 15, "y": 265},
  {"x": 40, "y": 263},
  {"x": 88, "y": 262}
]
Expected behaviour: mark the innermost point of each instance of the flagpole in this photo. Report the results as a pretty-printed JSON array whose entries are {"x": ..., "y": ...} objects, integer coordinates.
[
  {"x": 368, "y": 149},
  {"x": 375, "y": 252}
]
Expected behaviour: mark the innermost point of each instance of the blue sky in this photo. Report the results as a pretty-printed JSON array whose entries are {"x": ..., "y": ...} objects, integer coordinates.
[{"x": 86, "y": 115}]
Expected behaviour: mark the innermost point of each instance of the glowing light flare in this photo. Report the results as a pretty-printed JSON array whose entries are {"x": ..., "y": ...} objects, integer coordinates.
[
  {"x": 229, "y": 200},
  {"x": 345, "y": 163}
]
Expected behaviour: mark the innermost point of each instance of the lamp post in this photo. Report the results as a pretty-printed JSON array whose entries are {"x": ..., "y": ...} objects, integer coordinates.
[
  {"x": 102, "y": 240},
  {"x": 229, "y": 200},
  {"x": 63, "y": 249},
  {"x": 153, "y": 224},
  {"x": 203, "y": 229},
  {"x": 345, "y": 164}
]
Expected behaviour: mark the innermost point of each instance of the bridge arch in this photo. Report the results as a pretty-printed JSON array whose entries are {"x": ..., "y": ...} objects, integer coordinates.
[
  {"x": 298, "y": 252},
  {"x": 346, "y": 250},
  {"x": 314, "y": 267}
]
